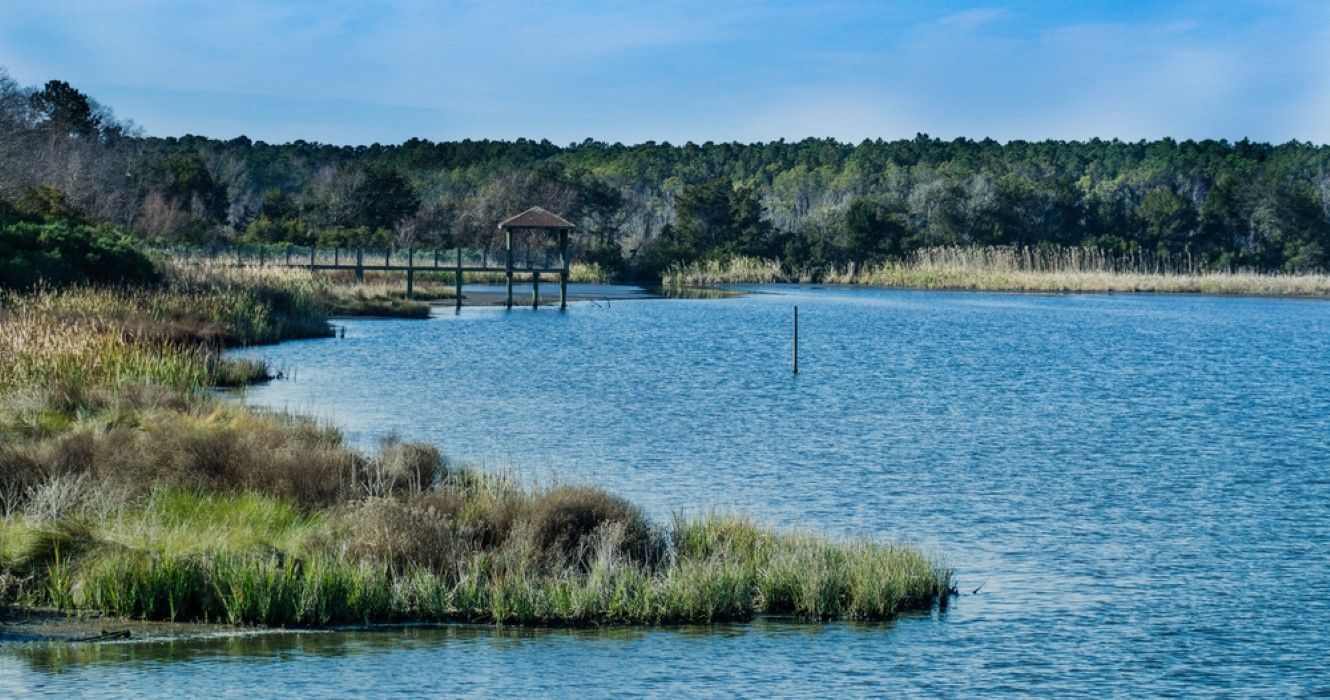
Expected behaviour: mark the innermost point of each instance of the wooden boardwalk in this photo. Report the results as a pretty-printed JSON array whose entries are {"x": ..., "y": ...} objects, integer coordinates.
[
  {"x": 457, "y": 261},
  {"x": 460, "y": 262}
]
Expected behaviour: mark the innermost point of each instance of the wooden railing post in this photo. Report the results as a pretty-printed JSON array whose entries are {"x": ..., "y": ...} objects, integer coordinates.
[
  {"x": 563, "y": 269},
  {"x": 410, "y": 273},
  {"x": 360, "y": 265},
  {"x": 508, "y": 265}
]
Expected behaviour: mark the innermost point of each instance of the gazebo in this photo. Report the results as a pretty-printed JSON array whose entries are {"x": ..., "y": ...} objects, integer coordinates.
[{"x": 540, "y": 219}]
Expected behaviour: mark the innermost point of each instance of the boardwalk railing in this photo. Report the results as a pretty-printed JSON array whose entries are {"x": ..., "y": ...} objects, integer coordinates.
[{"x": 458, "y": 261}]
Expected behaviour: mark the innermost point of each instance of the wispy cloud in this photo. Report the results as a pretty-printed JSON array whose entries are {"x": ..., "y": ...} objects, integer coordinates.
[
  {"x": 385, "y": 71},
  {"x": 970, "y": 20}
]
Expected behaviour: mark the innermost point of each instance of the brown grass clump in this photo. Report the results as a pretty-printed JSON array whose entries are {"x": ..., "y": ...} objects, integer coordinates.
[
  {"x": 560, "y": 530},
  {"x": 403, "y": 533},
  {"x": 401, "y": 468},
  {"x": 564, "y": 519},
  {"x": 214, "y": 447}
]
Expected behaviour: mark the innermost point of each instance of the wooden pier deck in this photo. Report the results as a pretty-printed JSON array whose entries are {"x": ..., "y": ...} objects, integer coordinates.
[
  {"x": 532, "y": 260},
  {"x": 458, "y": 261}
]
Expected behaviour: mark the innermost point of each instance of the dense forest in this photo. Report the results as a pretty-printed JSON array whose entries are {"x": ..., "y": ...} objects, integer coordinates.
[{"x": 811, "y": 204}]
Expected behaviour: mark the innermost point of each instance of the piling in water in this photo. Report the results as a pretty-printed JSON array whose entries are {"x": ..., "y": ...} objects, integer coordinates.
[
  {"x": 457, "y": 279},
  {"x": 796, "y": 340}
]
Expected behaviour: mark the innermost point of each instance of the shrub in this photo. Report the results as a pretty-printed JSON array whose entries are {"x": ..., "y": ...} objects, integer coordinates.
[
  {"x": 564, "y": 518},
  {"x": 65, "y": 253},
  {"x": 405, "y": 534},
  {"x": 56, "y": 543},
  {"x": 402, "y": 468},
  {"x": 221, "y": 448}
]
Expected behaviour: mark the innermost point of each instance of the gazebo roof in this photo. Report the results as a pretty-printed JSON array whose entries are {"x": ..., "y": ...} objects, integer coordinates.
[{"x": 535, "y": 217}]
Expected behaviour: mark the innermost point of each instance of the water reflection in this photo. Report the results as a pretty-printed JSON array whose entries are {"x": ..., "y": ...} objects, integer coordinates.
[{"x": 247, "y": 645}]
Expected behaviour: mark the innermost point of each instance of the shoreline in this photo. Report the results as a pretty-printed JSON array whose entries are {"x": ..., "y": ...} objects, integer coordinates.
[
  {"x": 21, "y": 626},
  {"x": 719, "y": 290},
  {"x": 1004, "y": 270},
  {"x": 723, "y": 286}
]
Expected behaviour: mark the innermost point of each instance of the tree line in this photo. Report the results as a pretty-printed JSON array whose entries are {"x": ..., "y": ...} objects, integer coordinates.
[{"x": 812, "y": 204}]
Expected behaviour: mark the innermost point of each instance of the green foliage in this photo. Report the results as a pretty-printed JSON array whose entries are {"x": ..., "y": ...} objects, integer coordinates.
[
  {"x": 284, "y": 230},
  {"x": 608, "y": 257},
  {"x": 186, "y": 178},
  {"x": 1168, "y": 222},
  {"x": 873, "y": 230},
  {"x": 278, "y": 205},
  {"x": 813, "y": 204},
  {"x": 64, "y": 110},
  {"x": 67, "y": 253},
  {"x": 278, "y": 221},
  {"x": 714, "y": 220},
  {"x": 46, "y": 204},
  {"x": 369, "y": 197}
]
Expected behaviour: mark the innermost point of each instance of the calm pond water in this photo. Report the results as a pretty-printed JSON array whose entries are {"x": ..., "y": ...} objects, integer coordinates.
[{"x": 1136, "y": 486}]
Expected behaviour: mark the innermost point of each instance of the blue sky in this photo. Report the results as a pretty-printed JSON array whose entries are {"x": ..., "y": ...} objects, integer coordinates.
[{"x": 361, "y": 72}]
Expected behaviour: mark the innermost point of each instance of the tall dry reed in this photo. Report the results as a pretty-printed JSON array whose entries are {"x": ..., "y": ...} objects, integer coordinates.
[{"x": 1043, "y": 269}]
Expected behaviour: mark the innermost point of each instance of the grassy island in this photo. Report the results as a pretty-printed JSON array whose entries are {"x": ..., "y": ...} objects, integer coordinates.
[{"x": 128, "y": 488}]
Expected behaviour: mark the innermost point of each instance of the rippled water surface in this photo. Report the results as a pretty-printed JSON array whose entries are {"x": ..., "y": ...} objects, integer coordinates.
[{"x": 1136, "y": 486}]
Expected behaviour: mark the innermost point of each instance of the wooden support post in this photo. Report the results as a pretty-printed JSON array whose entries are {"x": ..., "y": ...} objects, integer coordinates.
[
  {"x": 796, "y": 340},
  {"x": 311, "y": 256},
  {"x": 387, "y": 257},
  {"x": 288, "y": 256},
  {"x": 508, "y": 266},
  {"x": 563, "y": 269},
  {"x": 535, "y": 288},
  {"x": 410, "y": 273},
  {"x": 436, "y": 257},
  {"x": 457, "y": 279},
  {"x": 337, "y": 255},
  {"x": 360, "y": 265}
]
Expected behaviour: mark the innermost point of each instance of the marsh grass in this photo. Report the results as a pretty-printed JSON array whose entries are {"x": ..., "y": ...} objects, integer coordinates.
[
  {"x": 215, "y": 514},
  {"x": 322, "y": 294},
  {"x": 578, "y": 272},
  {"x": 230, "y": 559},
  {"x": 1054, "y": 269},
  {"x": 128, "y": 489}
]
